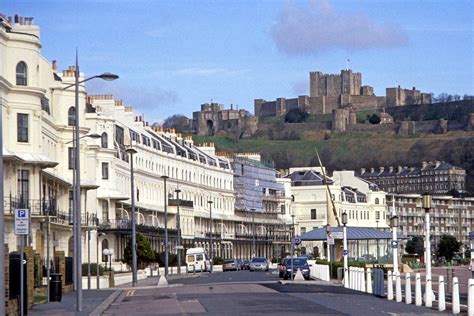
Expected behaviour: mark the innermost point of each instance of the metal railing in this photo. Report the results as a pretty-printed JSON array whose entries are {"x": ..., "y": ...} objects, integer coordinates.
[
  {"x": 126, "y": 225},
  {"x": 42, "y": 207}
]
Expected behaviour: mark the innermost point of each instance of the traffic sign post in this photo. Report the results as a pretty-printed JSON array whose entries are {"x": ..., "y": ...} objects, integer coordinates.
[
  {"x": 22, "y": 228},
  {"x": 297, "y": 241},
  {"x": 394, "y": 244},
  {"x": 330, "y": 239},
  {"x": 344, "y": 252}
]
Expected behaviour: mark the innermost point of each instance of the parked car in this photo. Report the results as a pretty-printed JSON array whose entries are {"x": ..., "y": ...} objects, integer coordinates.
[
  {"x": 245, "y": 265},
  {"x": 197, "y": 260},
  {"x": 230, "y": 265},
  {"x": 259, "y": 263},
  {"x": 298, "y": 263}
]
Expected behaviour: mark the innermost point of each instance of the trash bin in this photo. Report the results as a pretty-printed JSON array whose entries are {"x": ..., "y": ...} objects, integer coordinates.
[
  {"x": 340, "y": 273},
  {"x": 55, "y": 288},
  {"x": 378, "y": 282}
]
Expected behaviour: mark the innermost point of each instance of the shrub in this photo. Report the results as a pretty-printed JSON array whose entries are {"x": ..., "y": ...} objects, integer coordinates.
[
  {"x": 296, "y": 116},
  {"x": 217, "y": 260},
  {"x": 93, "y": 269},
  {"x": 275, "y": 260}
]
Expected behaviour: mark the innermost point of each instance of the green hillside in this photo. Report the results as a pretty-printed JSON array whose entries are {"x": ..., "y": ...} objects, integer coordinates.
[{"x": 356, "y": 150}]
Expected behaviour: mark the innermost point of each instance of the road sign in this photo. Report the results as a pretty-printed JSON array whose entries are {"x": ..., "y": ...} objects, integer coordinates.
[
  {"x": 296, "y": 240},
  {"x": 22, "y": 222},
  {"x": 56, "y": 243},
  {"x": 344, "y": 252},
  {"x": 337, "y": 235},
  {"x": 330, "y": 238},
  {"x": 394, "y": 244}
]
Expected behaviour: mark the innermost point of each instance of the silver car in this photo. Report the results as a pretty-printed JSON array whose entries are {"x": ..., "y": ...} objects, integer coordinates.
[{"x": 259, "y": 263}]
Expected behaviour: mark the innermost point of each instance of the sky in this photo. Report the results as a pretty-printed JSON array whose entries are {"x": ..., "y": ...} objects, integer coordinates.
[{"x": 172, "y": 56}]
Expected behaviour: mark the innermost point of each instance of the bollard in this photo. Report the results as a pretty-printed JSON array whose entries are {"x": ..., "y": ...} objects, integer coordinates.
[
  {"x": 357, "y": 279},
  {"x": 470, "y": 297},
  {"x": 441, "y": 298},
  {"x": 456, "y": 307},
  {"x": 428, "y": 291},
  {"x": 369, "y": 281},
  {"x": 418, "y": 290},
  {"x": 389, "y": 286},
  {"x": 398, "y": 287},
  {"x": 362, "y": 279},
  {"x": 407, "y": 288},
  {"x": 351, "y": 278}
]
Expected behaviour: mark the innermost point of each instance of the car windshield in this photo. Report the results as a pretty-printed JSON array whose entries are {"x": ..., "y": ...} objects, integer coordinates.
[
  {"x": 228, "y": 261},
  {"x": 259, "y": 260},
  {"x": 296, "y": 262}
]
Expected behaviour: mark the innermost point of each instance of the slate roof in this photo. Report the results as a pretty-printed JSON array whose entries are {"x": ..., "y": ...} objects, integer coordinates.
[{"x": 353, "y": 233}]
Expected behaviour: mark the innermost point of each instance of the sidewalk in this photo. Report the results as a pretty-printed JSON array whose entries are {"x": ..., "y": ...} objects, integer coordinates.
[{"x": 91, "y": 300}]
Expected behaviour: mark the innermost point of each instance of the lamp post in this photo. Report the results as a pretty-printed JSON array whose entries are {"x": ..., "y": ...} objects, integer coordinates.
[
  {"x": 210, "y": 224},
  {"x": 166, "y": 224},
  {"x": 77, "y": 182},
  {"x": 97, "y": 266},
  {"x": 132, "y": 151},
  {"x": 328, "y": 231},
  {"x": 254, "y": 247},
  {"x": 344, "y": 250},
  {"x": 394, "y": 224},
  {"x": 426, "y": 204},
  {"x": 178, "y": 226},
  {"x": 109, "y": 252},
  {"x": 292, "y": 243},
  {"x": 2, "y": 223}
]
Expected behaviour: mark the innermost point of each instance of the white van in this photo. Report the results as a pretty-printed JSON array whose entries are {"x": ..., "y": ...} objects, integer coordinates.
[{"x": 197, "y": 260}]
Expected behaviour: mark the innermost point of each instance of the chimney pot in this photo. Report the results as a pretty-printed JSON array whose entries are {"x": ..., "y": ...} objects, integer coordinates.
[{"x": 16, "y": 18}]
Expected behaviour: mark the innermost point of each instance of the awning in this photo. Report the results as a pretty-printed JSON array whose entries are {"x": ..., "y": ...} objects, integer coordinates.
[
  {"x": 104, "y": 193},
  {"x": 50, "y": 174},
  {"x": 37, "y": 159},
  {"x": 353, "y": 233}
]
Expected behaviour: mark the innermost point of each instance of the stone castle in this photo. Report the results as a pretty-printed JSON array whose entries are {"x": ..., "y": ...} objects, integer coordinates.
[
  {"x": 329, "y": 92},
  {"x": 213, "y": 118}
]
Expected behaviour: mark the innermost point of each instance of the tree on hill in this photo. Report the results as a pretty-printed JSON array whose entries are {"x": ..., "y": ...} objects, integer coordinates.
[
  {"x": 178, "y": 122},
  {"x": 415, "y": 246},
  {"x": 296, "y": 116},
  {"x": 374, "y": 119},
  {"x": 448, "y": 246},
  {"x": 145, "y": 254}
]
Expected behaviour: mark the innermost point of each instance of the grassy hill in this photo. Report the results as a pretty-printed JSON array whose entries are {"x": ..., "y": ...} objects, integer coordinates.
[{"x": 356, "y": 150}]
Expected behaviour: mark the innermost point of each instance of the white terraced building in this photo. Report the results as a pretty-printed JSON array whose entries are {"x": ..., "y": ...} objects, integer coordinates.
[{"x": 37, "y": 127}]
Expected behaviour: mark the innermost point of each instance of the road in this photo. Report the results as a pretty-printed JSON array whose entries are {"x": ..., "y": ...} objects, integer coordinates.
[{"x": 245, "y": 293}]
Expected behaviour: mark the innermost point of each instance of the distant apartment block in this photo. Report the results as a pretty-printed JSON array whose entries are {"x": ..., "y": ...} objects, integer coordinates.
[{"x": 434, "y": 177}]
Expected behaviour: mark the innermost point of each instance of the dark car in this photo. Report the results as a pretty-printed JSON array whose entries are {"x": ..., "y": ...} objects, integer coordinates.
[
  {"x": 230, "y": 265},
  {"x": 292, "y": 267},
  {"x": 245, "y": 265}
]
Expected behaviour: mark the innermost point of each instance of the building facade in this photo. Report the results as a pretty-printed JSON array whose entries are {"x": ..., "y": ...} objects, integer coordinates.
[
  {"x": 448, "y": 216},
  {"x": 433, "y": 177}
]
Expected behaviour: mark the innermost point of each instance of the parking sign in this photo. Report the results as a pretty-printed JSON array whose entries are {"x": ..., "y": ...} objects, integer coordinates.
[{"x": 22, "y": 222}]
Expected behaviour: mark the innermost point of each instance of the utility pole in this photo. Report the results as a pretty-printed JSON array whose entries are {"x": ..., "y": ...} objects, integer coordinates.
[
  {"x": 178, "y": 226},
  {"x": 210, "y": 224},
  {"x": 165, "y": 198},
  {"x": 254, "y": 253}
]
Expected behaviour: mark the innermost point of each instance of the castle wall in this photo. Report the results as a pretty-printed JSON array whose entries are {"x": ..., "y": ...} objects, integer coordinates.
[
  {"x": 317, "y": 105},
  {"x": 379, "y": 128},
  {"x": 363, "y": 102}
]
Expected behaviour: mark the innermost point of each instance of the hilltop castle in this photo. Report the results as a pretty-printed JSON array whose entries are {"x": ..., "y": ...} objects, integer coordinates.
[{"x": 329, "y": 92}]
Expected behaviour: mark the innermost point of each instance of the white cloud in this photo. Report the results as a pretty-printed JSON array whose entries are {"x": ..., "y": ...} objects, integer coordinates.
[{"x": 318, "y": 27}]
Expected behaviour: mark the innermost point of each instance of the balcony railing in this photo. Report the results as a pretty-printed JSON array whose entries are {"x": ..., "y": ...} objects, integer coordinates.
[
  {"x": 125, "y": 226},
  {"x": 37, "y": 207}
]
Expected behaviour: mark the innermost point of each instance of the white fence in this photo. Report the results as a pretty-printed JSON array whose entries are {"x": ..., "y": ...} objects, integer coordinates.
[
  {"x": 361, "y": 280},
  {"x": 319, "y": 271}
]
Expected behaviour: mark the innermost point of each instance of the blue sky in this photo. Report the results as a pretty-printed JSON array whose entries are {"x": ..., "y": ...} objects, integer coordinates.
[{"x": 174, "y": 55}]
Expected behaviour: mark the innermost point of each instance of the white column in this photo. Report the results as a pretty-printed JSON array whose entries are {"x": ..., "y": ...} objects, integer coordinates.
[
  {"x": 389, "y": 286},
  {"x": 418, "y": 290},
  {"x": 369, "y": 281},
  {"x": 441, "y": 299},
  {"x": 456, "y": 307},
  {"x": 398, "y": 287},
  {"x": 470, "y": 298},
  {"x": 407, "y": 288}
]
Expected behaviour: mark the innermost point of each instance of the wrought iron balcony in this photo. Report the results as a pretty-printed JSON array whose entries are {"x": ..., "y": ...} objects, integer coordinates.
[
  {"x": 42, "y": 207},
  {"x": 124, "y": 226}
]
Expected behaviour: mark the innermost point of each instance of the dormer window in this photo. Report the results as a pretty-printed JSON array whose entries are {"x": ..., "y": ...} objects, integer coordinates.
[{"x": 21, "y": 74}]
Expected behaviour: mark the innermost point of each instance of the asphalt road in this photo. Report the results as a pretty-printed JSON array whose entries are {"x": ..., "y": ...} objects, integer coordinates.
[{"x": 246, "y": 293}]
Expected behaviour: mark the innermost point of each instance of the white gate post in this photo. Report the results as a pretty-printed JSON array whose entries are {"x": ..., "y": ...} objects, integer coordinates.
[
  {"x": 389, "y": 286},
  {"x": 418, "y": 290},
  {"x": 470, "y": 297},
  {"x": 428, "y": 291},
  {"x": 407, "y": 288},
  {"x": 456, "y": 307},
  {"x": 441, "y": 299},
  {"x": 398, "y": 287},
  {"x": 369, "y": 281}
]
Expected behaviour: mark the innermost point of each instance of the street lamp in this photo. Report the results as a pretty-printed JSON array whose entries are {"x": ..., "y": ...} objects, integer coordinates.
[
  {"x": 344, "y": 250},
  {"x": 426, "y": 204},
  {"x": 77, "y": 185},
  {"x": 328, "y": 231},
  {"x": 178, "y": 226},
  {"x": 132, "y": 152},
  {"x": 97, "y": 267},
  {"x": 109, "y": 252},
  {"x": 93, "y": 136},
  {"x": 210, "y": 224},
  {"x": 253, "y": 228},
  {"x": 166, "y": 224},
  {"x": 292, "y": 243},
  {"x": 394, "y": 224}
]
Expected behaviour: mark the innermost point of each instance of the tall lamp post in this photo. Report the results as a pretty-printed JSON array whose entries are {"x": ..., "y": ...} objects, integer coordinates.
[
  {"x": 426, "y": 204},
  {"x": 97, "y": 267},
  {"x": 77, "y": 184},
  {"x": 394, "y": 224},
  {"x": 178, "y": 226},
  {"x": 344, "y": 250},
  {"x": 254, "y": 250},
  {"x": 292, "y": 243},
  {"x": 210, "y": 224},
  {"x": 166, "y": 224},
  {"x": 132, "y": 152}
]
